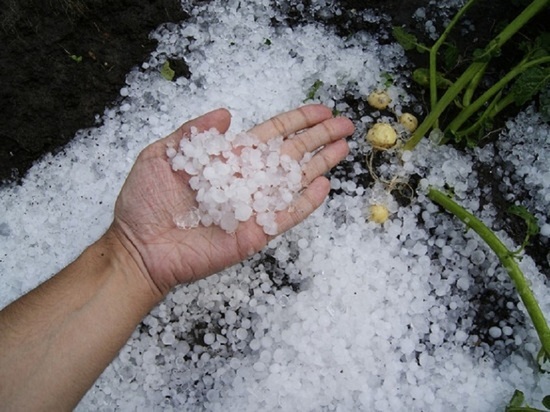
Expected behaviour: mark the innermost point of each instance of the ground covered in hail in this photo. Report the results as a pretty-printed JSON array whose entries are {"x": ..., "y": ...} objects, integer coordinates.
[{"x": 340, "y": 313}]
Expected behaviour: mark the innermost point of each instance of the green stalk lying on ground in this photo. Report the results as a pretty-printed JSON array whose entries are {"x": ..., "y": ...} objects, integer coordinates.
[{"x": 508, "y": 260}]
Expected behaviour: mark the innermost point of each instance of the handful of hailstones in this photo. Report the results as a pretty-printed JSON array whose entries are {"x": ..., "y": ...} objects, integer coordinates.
[{"x": 235, "y": 177}]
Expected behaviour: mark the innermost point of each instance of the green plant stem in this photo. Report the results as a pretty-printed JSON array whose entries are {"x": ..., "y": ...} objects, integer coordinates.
[
  {"x": 435, "y": 49},
  {"x": 472, "y": 87},
  {"x": 433, "y": 81},
  {"x": 513, "y": 27},
  {"x": 506, "y": 258},
  {"x": 443, "y": 103},
  {"x": 468, "y": 111},
  {"x": 491, "y": 111},
  {"x": 473, "y": 69},
  {"x": 494, "y": 108}
]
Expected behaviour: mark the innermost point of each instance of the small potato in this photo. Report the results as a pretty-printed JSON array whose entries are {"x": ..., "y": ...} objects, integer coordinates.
[
  {"x": 378, "y": 214},
  {"x": 409, "y": 121},
  {"x": 382, "y": 136},
  {"x": 379, "y": 100}
]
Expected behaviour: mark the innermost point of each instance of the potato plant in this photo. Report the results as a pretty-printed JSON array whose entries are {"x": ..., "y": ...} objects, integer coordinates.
[{"x": 475, "y": 111}]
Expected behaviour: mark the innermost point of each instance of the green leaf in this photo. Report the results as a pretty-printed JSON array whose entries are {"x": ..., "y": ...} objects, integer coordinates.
[
  {"x": 313, "y": 90},
  {"x": 546, "y": 401},
  {"x": 450, "y": 56},
  {"x": 530, "y": 220},
  {"x": 407, "y": 40},
  {"x": 517, "y": 399},
  {"x": 167, "y": 72},
  {"x": 76, "y": 58},
  {"x": 485, "y": 55},
  {"x": 388, "y": 79},
  {"x": 539, "y": 47},
  {"x": 544, "y": 104},
  {"x": 542, "y": 44},
  {"x": 422, "y": 77},
  {"x": 529, "y": 83},
  {"x": 542, "y": 359}
]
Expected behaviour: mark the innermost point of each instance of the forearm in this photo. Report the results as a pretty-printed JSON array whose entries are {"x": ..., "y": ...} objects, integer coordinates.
[{"x": 56, "y": 340}]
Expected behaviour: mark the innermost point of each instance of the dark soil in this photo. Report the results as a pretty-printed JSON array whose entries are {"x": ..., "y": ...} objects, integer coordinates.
[{"x": 61, "y": 63}]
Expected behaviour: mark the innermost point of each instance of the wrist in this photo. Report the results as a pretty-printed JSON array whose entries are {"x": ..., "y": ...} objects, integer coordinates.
[{"x": 126, "y": 261}]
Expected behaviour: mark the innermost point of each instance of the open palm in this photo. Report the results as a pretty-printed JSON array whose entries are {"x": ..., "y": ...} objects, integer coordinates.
[{"x": 153, "y": 195}]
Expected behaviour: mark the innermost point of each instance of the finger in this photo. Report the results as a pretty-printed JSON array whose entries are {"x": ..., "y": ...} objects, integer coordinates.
[
  {"x": 310, "y": 199},
  {"x": 219, "y": 119},
  {"x": 291, "y": 122},
  {"x": 324, "y": 160},
  {"x": 317, "y": 136}
]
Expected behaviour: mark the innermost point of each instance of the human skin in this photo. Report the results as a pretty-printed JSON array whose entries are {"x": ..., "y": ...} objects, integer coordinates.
[{"x": 56, "y": 340}]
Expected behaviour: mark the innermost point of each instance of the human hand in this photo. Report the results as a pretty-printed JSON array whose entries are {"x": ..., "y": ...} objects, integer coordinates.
[{"x": 154, "y": 194}]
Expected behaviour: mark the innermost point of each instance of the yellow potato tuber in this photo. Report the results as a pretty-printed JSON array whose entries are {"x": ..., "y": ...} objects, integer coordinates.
[
  {"x": 409, "y": 121},
  {"x": 379, "y": 100},
  {"x": 378, "y": 214},
  {"x": 382, "y": 136}
]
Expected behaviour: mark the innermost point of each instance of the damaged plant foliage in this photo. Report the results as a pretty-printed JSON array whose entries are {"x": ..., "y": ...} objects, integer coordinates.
[{"x": 471, "y": 105}]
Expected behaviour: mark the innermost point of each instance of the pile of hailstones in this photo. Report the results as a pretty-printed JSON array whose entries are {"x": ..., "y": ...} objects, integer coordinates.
[{"x": 235, "y": 177}]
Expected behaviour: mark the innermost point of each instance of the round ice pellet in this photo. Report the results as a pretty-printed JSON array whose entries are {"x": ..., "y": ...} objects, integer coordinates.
[{"x": 495, "y": 332}]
